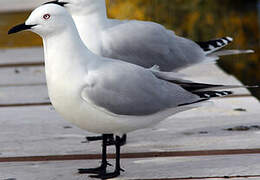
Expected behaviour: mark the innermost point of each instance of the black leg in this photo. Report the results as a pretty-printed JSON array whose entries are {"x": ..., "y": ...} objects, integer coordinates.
[
  {"x": 118, "y": 144},
  {"x": 111, "y": 140},
  {"x": 94, "y": 138},
  {"x": 104, "y": 163},
  {"x": 116, "y": 173},
  {"x": 123, "y": 139}
]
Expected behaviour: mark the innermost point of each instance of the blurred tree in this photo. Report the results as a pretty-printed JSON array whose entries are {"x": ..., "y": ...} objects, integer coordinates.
[{"x": 8, "y": 20}]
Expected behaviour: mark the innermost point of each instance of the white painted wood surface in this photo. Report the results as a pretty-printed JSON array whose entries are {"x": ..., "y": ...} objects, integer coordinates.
[
  {"x": 19, "y": 5},
  {"x": 32, "y": 131},
  {"x": 156, "y": 168},
  {"x": 26, "y": 84},
  {"x": 31, "y": 91},
  {"x": 28, "y": 75},
  {"x": 23, "y": 95},
  {"x": 39, "y": 130},
  {"x": 21, "y": 56}
]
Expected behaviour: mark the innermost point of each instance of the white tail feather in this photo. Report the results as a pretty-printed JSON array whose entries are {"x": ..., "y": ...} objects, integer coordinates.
[
  {"x": 215, "y": 56},
  {"x": 210, "y": 60},
  {"x": 230, "y": 52}
]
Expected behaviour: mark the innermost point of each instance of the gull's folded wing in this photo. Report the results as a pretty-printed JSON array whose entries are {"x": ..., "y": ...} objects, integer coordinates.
[
  {"x": 147, "y": 44},
  {"x": 130, "y": 90}
]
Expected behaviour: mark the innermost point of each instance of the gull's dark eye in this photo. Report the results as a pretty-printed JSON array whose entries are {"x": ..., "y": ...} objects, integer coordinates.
[{"x": 46, "y": 16}]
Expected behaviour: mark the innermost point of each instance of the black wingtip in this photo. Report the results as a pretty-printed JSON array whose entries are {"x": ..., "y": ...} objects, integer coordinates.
[
  {"x": 207, "y": 95},
  {"x": 199, "y": 101},
  {"x": 57, "y": 2},
  {"x": 215, "y": 44},
  {"x": 213, "y": 94}
]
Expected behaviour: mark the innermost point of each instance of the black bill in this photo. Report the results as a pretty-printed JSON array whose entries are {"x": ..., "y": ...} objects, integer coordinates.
[{"x": 20, "y": 27}]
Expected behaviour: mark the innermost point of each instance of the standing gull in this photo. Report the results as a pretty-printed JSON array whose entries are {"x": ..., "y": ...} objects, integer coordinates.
[
  {"x": 143, "y": 43},
  {"x": 140, "y": 42},
  {"x": 102, "y": 95}
]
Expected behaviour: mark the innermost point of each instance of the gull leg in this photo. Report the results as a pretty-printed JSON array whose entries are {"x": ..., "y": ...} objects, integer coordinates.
[
  {"x": 94, "y": 138},
  {"x": 123, "y": 139},
  {"x": 111, "y": 140},
  {"x": 104, "y": 163},
  {"x": 118, "y": 143}
]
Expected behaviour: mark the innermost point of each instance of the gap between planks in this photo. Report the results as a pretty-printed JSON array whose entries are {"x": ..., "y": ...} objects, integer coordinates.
[
  {"x": 131, "y": 155},
  {"x": 21, "y": 64},
  {"x": 213, "y": 177},
  {"x": 25, "y": 105}
]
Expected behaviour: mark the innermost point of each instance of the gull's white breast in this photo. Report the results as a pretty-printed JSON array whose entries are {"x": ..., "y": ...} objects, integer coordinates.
[{"x": 68, "y": 102}]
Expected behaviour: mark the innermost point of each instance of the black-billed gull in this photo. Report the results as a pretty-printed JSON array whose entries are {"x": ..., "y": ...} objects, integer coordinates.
[{"x": 107, "y": 96}]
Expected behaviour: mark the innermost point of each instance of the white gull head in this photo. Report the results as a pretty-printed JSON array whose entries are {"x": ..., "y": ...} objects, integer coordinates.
[
  {"x": 80, "y": 7},
  {"x": 47, "y": 20}
]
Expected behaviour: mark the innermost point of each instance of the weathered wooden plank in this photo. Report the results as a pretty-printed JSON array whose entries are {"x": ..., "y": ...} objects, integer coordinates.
[
  {"x": 203, "y": 70},
  {"x": 225, "y": 107},
  {"x": 19, "y": 5},
  {"x": 207, "y": 73},
  {"x": 142, "y": 155},
  {"x": 30, "y": 91},
  {"x": 23, "y": 95},
  {"x": 21, "y": 56},
  {"x": 27, "y": 85},
  {"x": 40, "y": 130},
  {"x": 233, "y": 178},
  {"x": 30, "y": 94},
  {"x": 28, "y": 75},
  {"x": 212, "y": 74},
  {"x": 36, "y": 74},
  {"x": 155, "y": 168},
  {"x": 218, "y": 166},
  {"x": 35, "y": 55}
]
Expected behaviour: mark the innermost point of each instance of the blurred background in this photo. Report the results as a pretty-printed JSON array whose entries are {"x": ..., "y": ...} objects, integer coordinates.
[{"x": 199, "y": 20}]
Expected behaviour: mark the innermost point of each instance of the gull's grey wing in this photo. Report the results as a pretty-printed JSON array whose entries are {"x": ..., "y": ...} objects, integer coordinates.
[
  {"x": 148, "y": 44},
  {"x": 126, "y": 89}
]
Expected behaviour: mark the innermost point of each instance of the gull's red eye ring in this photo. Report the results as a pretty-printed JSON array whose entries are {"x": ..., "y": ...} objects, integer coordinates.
[{"x": 46, "y": 16}]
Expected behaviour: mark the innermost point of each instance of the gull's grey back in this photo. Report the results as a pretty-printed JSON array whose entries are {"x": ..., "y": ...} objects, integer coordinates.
[{"x": 147, "y": 44}]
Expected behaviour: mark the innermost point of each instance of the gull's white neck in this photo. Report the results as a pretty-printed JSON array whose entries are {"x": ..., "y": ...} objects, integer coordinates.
[
  {"x": 64, "y": 47},
  {"x": 94, "y": 13},
  {"x": 91, "y": 20},
  {"x": 66, "y": 55}
]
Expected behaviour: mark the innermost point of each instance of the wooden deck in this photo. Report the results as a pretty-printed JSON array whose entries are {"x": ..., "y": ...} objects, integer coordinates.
[
  {"x": 19, "y": 5},
  {"x": 216, "y": 142}
]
